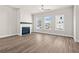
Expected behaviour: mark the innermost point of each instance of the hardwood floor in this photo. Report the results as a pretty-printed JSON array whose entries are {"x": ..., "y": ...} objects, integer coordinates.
[{"x": 38, "y": 43}]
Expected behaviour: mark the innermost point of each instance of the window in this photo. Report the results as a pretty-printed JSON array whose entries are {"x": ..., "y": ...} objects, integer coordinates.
[
  {"x": 39, "y": 23},
  {"x": 59, "y": 20},
  {"x": 47, "y": 22}
]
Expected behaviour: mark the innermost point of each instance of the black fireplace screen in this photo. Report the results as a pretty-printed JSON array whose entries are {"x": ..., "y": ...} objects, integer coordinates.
[{"x": 25, "y": 30}]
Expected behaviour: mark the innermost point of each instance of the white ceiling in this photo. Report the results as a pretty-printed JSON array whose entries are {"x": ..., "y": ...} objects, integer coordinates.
[{"x": 36, "y": 8}]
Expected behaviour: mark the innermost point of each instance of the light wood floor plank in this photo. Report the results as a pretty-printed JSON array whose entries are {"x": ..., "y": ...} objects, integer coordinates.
[{"x": 38, "y": 43}]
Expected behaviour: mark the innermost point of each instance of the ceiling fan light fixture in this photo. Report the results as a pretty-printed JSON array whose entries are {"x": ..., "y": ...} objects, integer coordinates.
[{"x": 44, "y": 9}]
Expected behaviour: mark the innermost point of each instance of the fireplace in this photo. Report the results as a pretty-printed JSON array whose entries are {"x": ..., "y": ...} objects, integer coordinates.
[{"x": 25, "y": 30}]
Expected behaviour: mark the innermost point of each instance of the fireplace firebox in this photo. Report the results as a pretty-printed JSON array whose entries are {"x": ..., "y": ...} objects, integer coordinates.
[{"x": 25, "y": 30}]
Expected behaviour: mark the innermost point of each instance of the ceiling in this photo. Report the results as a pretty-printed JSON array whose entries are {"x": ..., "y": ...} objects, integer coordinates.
[{"x": 36, "y": 8}]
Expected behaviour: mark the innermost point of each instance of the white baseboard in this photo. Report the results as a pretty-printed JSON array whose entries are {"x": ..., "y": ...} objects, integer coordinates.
[
  {"x": 63, "y": 35},
  {"x": 7, "y": 35},
  {"x": 57, "y": 34},
  {"x": 76, "y": 40}
]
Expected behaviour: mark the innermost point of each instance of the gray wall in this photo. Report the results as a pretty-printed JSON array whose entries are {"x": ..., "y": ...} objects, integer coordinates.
[
  {"x": 8, "y": 22},
  {"x": 68, "y": 22},
  {"x": 77, "y": 23}
]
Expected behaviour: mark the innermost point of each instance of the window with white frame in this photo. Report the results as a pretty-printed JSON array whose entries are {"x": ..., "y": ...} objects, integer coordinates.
[
  {"x": 39, "y": 23},
  {"x": 59, "y": 22},
  {"x": 47, "y": 22}
]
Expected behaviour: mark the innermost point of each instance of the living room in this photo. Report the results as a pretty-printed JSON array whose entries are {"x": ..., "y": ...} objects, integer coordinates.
[{"x": 39, "y": 28}]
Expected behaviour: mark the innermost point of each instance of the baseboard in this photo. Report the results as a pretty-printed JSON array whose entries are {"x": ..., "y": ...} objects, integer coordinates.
[
  {"x": 63, "y": 35},
  {"x": 4, "y": 36},
  {"x": 76, "y": 40},
  {"x": 56, "y": 34}
]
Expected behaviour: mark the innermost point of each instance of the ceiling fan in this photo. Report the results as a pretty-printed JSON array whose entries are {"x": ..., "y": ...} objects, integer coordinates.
[{"x": 44, "y": 9}]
